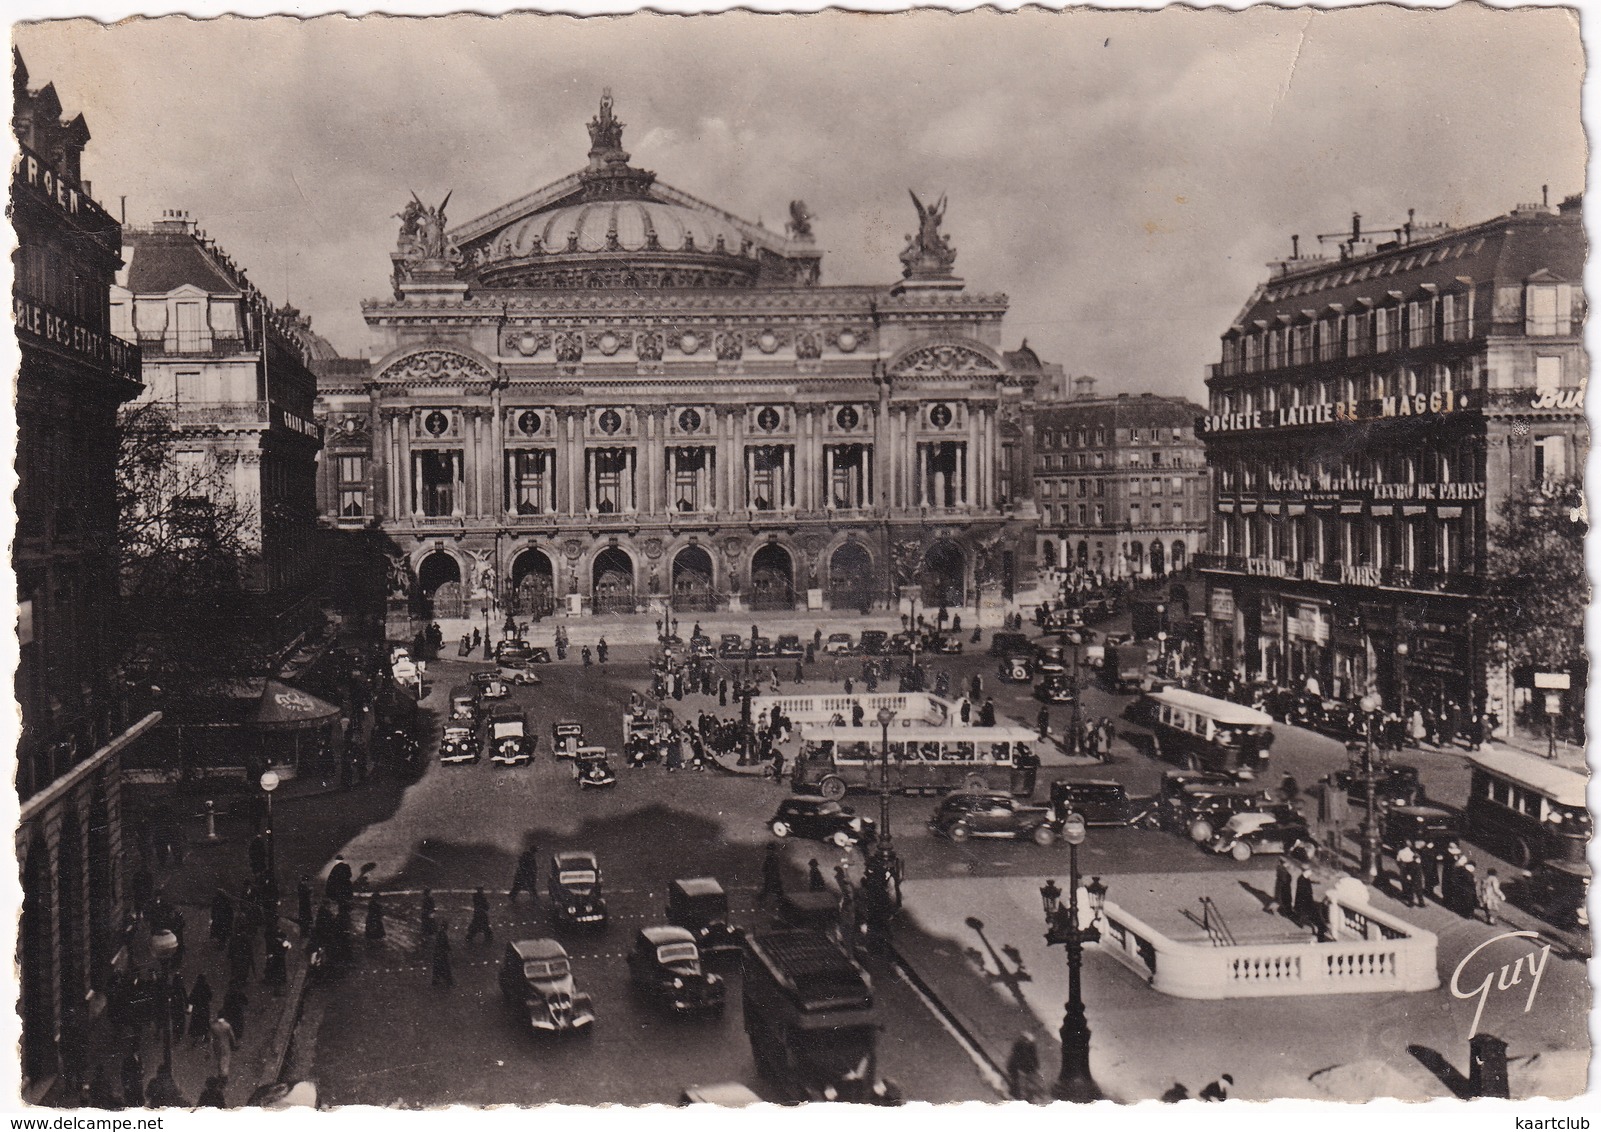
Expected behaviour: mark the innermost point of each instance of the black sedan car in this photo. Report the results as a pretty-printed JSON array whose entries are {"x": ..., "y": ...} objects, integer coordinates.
[
  {"x": 961, "y": 816},
  {"x": 874, "y": 642},
  {"x": 789, "y": 646},
  {"x": 944, "y": 644},
  {"x": 731, "y": 645},
  {"x": 1395, "y": 783},
  {"x": 818, "y": 819},
  {"x": 664, "y": 964},
  {"x": 1055, "y": 688}
]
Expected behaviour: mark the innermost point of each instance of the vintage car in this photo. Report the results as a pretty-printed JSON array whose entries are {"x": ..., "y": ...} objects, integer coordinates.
[
  {"x": 1016, "y": 669},
  {"x": 942, "y": 644},
  {"x": 874, "y": 642},
  {"x": 902, "y": 644},
  {"x": 700, "y": 906},
  {"x": 1049, "y": 657},
  {"x": 1102, "y": 803},
  {"x": 961, "y": 816},
  {"x": 509, "y": 741},
  {"x": 1435, "y": 826},
  {"x": 459, "y": 743},
  {"x": 536, "y": 977},
  {"x": 701, "y": 648},
  {"x": 802, "y": 908},
  {"x": 466, "y": 705},
  {"x": 664, "y": 964},
  {"x": 817, "y": 819},
  {"x": 731, "y": 645},
  {"x": 574, "y": 888},
  {"x": 762, "y": 647},
  {"x": 789, "y": 646},
  {"x": 512, "y": 649},
  {"x": 1279, "y": 830},
  {"x": 1556, "y": 890},
  {"x": 1079, "y": 635},
  {"x": 1200, "y": 803},
  {"x": 1010, "y": 644},
  {"x": 539, "y": 655},
  {"x": 839, "y": 644},
  {"x": 1395, "y": 784},
  {"x": 1055, "y": 688},
  {"x": 566, "y": 736},
  {"x": 592, "y": 768},
  {"x": 518, "y": 674},
  {"x": 490, "y": 684},
  {"x": 1058, "y": 620}
]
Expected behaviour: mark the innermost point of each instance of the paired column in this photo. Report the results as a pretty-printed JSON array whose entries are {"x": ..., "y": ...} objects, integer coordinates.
[{"x": 408, "y": 484}]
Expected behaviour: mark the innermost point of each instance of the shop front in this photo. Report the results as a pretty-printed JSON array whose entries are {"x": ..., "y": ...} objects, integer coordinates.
[{"x": 1306, "y": 632}]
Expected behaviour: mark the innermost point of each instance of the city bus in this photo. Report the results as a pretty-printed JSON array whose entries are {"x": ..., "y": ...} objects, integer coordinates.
[
  {"x": 922, "y": 759},
  {"x": 1527, "y": 809},
  {"x": 1204, "y": 733}
]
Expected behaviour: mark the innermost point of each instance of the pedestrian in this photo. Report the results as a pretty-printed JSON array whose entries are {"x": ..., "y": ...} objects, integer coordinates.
[
  {"x": 772, "y": 874},
  {"x": 1176, "y": 1092},
  {"x": 588, "y": 659},
  {"x": 162, "y": 1091},
  {"x": 1283, "y": 890},
  {"x": 176, "y": 1003},
  {"x": 1491, "y": 896},
  {"x": 275, "y": 967},
  {"x": 340, "y": 886},
  {"x": 212, "y": 1095},
  {"x": 480, "y": 919},
  {"x": 817, "y": 638},
  {"x": 234, "y": 1005},
  {"x": 986, "y": 714},
  {"x": 442, "y": 972},
  {"x": 425, "y": 925},
  {"x": 602, "y": 650},
  {"x": 975, "y": 688},
  {"x": 814, "y": 876},
  {"x": 1044, "y": 723},
  {"x": 858, "y": 713},
  {"x": 1218, "y": 1090},
  {"x": 849, "y": 687},
  {"x": 1465, "y": 886},
  {"x": 241, "y": 957},
  {"x": 964, "y": 712},
  {"x": 133, "y": 1079},
  {"x": 1023, "y": 1068},
  {"x": 199, "y": 1010},
  {"x": 800, "y": 671},
  {"x": 1306, "y": 910},
  {"x": 373, "y": 930},
  {"x": 1406, "y": 865},
  {"x": 722, "y": 691},
  {"x": 1290, "y": 789},
  {"x": 303, "y": 898},
  {"x": 526, "y": 878},
  {"x": 223, "y": 1042},
  {"x": 221, "y": 917}
]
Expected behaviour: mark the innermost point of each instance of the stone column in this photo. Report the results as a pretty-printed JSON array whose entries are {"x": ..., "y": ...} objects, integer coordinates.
[
  {"x": 495, "y": 500},
  {"x": 468, "y": 502},
  {"x": 828, "y": 478},
  {"x": 408, "y": 493}
]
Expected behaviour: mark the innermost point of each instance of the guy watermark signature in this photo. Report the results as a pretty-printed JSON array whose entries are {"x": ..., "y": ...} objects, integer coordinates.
[{"x": 1511, "y": 975}]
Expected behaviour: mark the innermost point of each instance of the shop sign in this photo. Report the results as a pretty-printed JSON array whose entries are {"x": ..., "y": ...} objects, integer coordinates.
[
  {"x": 71, "y": 335},
  {"x": 1336, "y": 412},
  {"x": 1359, "y": 575},
  {"x": 296, "y": 423},
  {"x": 32, "y": 173},
  {"x": 1272, "y": 619},
  {"x": 1223, "y": 605},
  {"x": 1559, "y": 399},
  {"x": 1281, "y": 568},
  {"x": 1310, "y": 625},
  {"x": 1451, "y": 492}
]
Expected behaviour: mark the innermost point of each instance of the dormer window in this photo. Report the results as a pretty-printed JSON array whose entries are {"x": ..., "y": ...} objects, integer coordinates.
[{"x": 1547, "y": 308}]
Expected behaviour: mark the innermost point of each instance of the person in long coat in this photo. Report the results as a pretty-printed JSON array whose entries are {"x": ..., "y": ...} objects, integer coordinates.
[
  {"x": 221, "y": 917},
  {"x": 1306, "y": 909},
  {"x": 374, "y": 927},
  {"x": 1283, "y": 890},
  {"x": 340, "y": 886},
  {"x": 200, "y": 1009},
  {"x": 177, "y": 1004},
  {"x": 234, "y": 1005},
  {"x": 223, "y": 1042},
  {"x": 479, "y": 924},
  {"x": 442, "y": 971},
  {"x": 814, "y": 876},
  {"x": 275, "y": 969}
]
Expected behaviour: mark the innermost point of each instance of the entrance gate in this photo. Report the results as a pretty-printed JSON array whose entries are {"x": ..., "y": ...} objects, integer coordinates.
[
  {"x": 692, "y": 582},
  {"x": 772, "y": 579},
  {"x": 613, "y": 580}
]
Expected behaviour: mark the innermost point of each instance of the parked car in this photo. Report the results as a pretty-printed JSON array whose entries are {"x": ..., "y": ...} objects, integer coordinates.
[
  {"x": 574, "y": 888},
  {"x": 466, "y": 705},
  {"x": 1011, "y": 644},
  {"x": 802, "y": 908},
  {"x": 518, "y": 675},
  {"x": 1049, "y": 656},
  {"x": 1556, "y": 890},
  {"x": 664, "y": 964},
  {"x": 961, "y": 816},
  {"x": 512, "y": 649},
  {"x": 537, "y": 977},
  {"x": 1080, "y": 635},
  {"x": 700, "y": 906},
  {"x": 903, "y": 643},
  {"x": 1058, "y": 620},
  {"x": 1055, "y": 688},
  {"x": 943, "y": 644},
  {"x": 1394, "y": 783},
  {"x": 789, "y": 646},
  {"x": 818, "y": 819},
  {"x": 701, "y": 648},
  {"x": 1102, "y": 803},
  {"x": 566, "y": 736},
  {"x": 839, "y": 644},
  {"x": 1433, "y": 825},
  {"x": 458, "y": 743},
  {"x": 509, "y": 741},
  {"x": 874, "y": 642},
  {"x": 539, "y": 655},
  {"x": 1016, "y": 669},
  {"x": 491, "y": 685},
  {"x": 731, "y": 645},
  {"x": 1279, "y": 830},
  {"x": 761, "y": 647},
  {"x": 592, "y": 767}
]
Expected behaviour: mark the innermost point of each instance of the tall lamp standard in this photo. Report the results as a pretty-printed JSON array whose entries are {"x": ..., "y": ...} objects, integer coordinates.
[
  {"x": 1370, "y": 705},
  {"x": 1074, "y": 1083},
  {"x": 164, "y": 947},
  {"x": 269, "y": 783},
  {"x": 1074, "y": 742},
  {"x": 883, "y": 866}
]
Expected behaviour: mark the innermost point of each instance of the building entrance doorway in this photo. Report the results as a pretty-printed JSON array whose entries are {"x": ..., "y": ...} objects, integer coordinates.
[
  {"x": 772, "y": 579},
  {"x": 850, "y": 577},
  {"x": 613, "y": 581},
  {"x": 533, "y": 581},
  {"x": 439, "y": 586},
  {"x": 692, "y": 581}
]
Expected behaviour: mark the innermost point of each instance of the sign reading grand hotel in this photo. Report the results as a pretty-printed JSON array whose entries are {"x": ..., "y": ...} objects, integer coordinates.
[{"x": 1334, "y": 412}]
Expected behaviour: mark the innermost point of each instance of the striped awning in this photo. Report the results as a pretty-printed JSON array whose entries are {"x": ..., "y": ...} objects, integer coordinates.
[
  {"x": 1448, "y": 512},
  {"x": 1298, "y": 508},
  {"x": 1409, "y": 512},
  {"x": 1272, "y": 508},
  {"x": 1350, "y": 508},
  {"x": 1382, "y": 510}
]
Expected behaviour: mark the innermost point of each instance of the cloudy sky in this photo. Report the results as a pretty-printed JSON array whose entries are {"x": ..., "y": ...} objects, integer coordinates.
[{"x": 1123, "y": 176}]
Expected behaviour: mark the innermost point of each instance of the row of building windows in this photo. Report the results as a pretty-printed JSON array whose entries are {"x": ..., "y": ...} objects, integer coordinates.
[
  {"x": 1083, "y": 514},
  {"x": 1463, "y": 463},
  {"x": 1135, "y": 459},
  {"x": 1096, "y": 437},
  {"x": 1082, "y": 488},
  {"x": 1423, "y": 321},
  {"x": 1441, "y": 542}
]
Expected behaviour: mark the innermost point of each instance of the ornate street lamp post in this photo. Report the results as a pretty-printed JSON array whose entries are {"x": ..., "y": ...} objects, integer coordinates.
[
  {"x": 1074, "y": 744},
  {"x": 1074, "y": 1083},
  {"x": 269, "y": 783},
  {"x": 164, "y": 947},
  {"x": 882, "y": 875},
  {"x": 1370, "y": 704}
]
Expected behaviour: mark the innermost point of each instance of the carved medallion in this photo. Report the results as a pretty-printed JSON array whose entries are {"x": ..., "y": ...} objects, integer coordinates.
[
  {"x": 689, "y": 342},
  {"x": 729, "y": 347},
  {"x": 767, "y": 341},
  {"x": 808, "y": 346},
  {"x": 768, "y": 419},
  {"x": 436, "y": 365},
  {"x": 436, "y": 423},
  {"x": 569, "y": 347},
  {"x": 609, "y": 421},
  {"x": 652, "y": 548},
  {"x": 572, "y": 548},
  {"x": 847, "y": 418},
  {"x": 649, "y": 346},
  {"x": 846, "y": 341},
  {"x": 689, "y": 421},
  {"x": 529, "y": 422},
  {"x": 940, "y": 415}
]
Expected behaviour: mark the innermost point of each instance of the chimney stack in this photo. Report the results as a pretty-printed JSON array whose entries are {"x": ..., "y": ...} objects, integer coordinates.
[{"x": 1295, "y": 247}]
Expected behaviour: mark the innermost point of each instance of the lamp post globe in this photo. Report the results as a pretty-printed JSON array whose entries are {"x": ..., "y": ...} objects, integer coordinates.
[
  {"x": 164, "y": 949},
  {"x": 269, "y": 783}
]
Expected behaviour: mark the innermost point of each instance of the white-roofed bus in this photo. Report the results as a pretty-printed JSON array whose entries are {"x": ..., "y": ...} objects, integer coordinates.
[
  {"x": 922, "y": 759},
  {"x": 1527, "y": 809},
  {"x": 1205, "y": 733}
]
